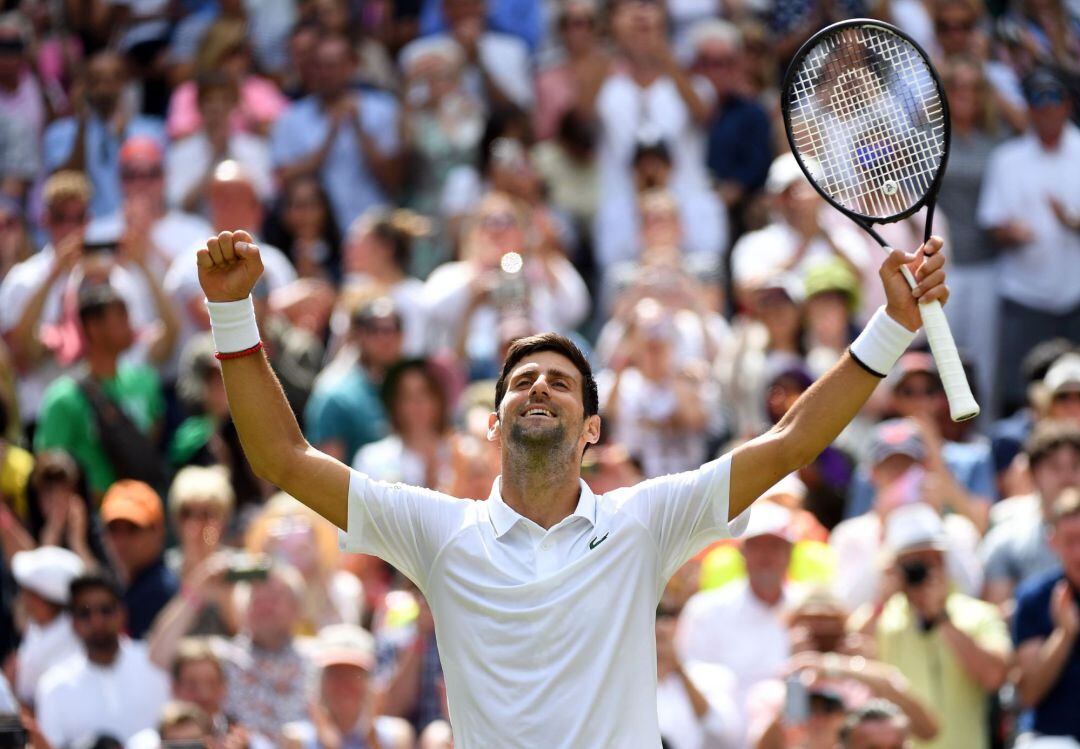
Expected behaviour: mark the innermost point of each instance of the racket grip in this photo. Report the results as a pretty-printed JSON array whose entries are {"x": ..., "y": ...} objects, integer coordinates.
[{"x": 962, "y": 405}]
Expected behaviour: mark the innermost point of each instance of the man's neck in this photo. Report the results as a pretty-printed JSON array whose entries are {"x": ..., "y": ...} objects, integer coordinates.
[
  {"x": 103, "y": 365},
  {"x": 544, "y": 488},
  {"x": 104, "y": 657},
  {"x": 767, "y": 595},
  {"x": 1050, "y": 145}
]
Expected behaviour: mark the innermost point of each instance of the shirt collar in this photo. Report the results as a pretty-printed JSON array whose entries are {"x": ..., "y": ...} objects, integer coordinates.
[{"x": 503, "y": 517}]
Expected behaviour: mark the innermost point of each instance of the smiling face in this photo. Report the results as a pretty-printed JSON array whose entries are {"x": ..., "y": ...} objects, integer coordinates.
[{"x": 543, "y": 407}]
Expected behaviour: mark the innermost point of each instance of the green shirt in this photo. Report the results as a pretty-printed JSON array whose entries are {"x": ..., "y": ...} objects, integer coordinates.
[{"x": 67, "y": 420}]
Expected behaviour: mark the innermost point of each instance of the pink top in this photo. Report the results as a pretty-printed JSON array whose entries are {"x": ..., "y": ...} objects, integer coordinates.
[
  {"x": 556, "y": 94},
  {"x": 261, "y": 103}
]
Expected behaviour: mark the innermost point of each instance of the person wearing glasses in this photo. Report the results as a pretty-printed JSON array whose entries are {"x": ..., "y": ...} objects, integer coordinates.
[{"x": 111, "y": 688}]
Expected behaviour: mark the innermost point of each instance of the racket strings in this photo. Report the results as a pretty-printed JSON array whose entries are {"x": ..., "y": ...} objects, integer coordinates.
[{"x": 867, "y": 120}]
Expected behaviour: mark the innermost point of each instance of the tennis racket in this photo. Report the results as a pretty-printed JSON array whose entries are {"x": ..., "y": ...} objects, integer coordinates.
[{"x": 867, "y": 120}]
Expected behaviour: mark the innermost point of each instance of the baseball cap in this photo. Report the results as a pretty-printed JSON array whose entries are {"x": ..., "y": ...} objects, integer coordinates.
[
  {"x": 140, "y": 149},
  {"x": 785, "y": 172},
  {"x": 895, "y": 437},
  {"x": 1063, "y": 375},
  {"x": 833, "y": 275},
  {"x": 913, "y": 527},
  {"x": 345, "y": 644},
  {"x": 133, "y": 501},
  {"x": 789, "y": 283},
  {"x": 47, "y": 571},
  {"x": 770, "y": 519},
  {"x": 376, "y": 310},
  {"x": 1044, "y": 87}
]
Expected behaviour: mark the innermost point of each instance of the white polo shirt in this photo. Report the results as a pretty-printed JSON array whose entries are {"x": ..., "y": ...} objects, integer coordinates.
[{"x": 547, "y": 638}]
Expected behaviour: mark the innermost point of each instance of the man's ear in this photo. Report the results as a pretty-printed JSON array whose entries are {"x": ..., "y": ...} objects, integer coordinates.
[
  {"x": 494, "y": 425},
  {"x": 592, "y": 429}
]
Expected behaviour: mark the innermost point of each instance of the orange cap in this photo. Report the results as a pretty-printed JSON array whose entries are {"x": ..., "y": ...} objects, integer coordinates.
[
  {"x": 140, "y": 149},
  {"x": 133, "y": 501}
]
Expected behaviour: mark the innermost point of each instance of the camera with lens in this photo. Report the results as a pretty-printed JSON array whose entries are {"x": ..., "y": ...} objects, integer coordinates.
[
  {"x": 12, "y": 733},
  {"x": 915, "y": 573}
]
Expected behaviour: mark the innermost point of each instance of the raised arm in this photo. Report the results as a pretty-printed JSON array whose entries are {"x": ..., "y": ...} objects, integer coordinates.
[
  {"x": 229, "y": 266},
  {"x": 823, "y": 411}
]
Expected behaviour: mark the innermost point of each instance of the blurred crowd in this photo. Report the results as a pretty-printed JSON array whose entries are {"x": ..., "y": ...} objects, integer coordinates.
[{"x": 429, "y": 180}]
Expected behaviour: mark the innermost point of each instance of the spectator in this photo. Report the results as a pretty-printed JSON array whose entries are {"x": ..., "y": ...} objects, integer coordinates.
[
  {"x": 44, "y": 578},
  {"x": 896, "y": 459},
  {"x": 1034, "y": 222},
  {"x": 90, "y": 141},
  {"x": 233, "y": 202},
  {"x": 467, "y": 298},
  {"x": 442, "y": 121},
  {"x": 801, "y": 234},
  {"x": 976, "y": 131},
  {"x": 739, "y": 141},
  {"x": 376, "y": 260},
  {"x": 111, "y": 688},
  {"x": 201, "y": 501},
  {"x": 1045, "y": 630},
  {"x": 497, "y": 68},
  {"x": 135, "y": 522},
  {"x": 410, "y": 664},
  {"x": 695, "y": 700},
  {"x": 656, "y": 405},
  {"x": 38, "y": 298},
  {"x": 417, "y": 452},
  {"x": 294, "y": 536},
  {"x": 344, "y": 714},
  {"x": 21, "y": 98},
  {"x": 345, "y": 412},
  {"x": 15, "y": 245},
  {"x": 876, "y": 725},
  {"x": 953, "y": 649},
  {"x": 1061, "y": 389},
  {"x": 645, "y": 96},
  {"x": 18, "y": 155},
  {"x": 192, "y": 159},
  {"x": 267, "y": 673},
  {"x": 61, "y": 513},
  {"x": 349, "y": 140},
  {"x": 1016, "y": 551},
  {"x": 303, "y": 226},
  {"x": 109, "y": 418},
  {"x": 576, "y": 65},
  {"x": 521, "y": 19},
  {"x": 755, "y": 644},
  {"x": 224, "y": 53}
]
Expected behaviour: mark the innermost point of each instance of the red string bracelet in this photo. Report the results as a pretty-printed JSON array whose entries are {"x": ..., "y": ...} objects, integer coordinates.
[{"x": 238, "y": 354}]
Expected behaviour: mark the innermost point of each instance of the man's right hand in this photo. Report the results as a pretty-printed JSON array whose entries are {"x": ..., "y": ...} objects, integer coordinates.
[{"x": 229, "y": 266}]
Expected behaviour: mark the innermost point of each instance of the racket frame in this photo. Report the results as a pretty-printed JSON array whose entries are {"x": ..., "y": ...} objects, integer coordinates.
[{"x": 929, "y": 198}]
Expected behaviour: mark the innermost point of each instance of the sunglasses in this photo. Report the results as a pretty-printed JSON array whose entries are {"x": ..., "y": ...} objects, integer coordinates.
[
  {"x": 68, "y": 219},
  {"x": 1068, "y": 396},
  {"x": 202, "y": 514},
  {"x": 579, "y": 22},
  {"x": 945, "y": 27},
  {"x": 140, "y": 175},
  {"x": 86, "y": 613},
  {"x": 498, "y": 221},
  {"x": 716, "y": 61}
]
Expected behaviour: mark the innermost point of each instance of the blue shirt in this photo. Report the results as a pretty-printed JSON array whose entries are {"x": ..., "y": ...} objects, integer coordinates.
[
  {"x": 1057, "y": 714},
  {"x": 102, "y": 154},
  {"x": 345, "y": 408},
  {"x": 739, "y": 148},
  {"x": 345, "y": 174},
  {"x": 970, "y": 463},
  {"x": 147, "y": 595},
  {"x": 520, "y": 18}
]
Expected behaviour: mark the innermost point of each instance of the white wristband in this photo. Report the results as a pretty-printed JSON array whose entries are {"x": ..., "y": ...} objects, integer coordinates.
[
  {"x": 234, "y": 325},
  {"x": 881, "y": 343}
]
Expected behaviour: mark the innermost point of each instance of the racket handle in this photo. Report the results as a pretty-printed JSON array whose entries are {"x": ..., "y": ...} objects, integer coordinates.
[{"x": 962, "y": 405}]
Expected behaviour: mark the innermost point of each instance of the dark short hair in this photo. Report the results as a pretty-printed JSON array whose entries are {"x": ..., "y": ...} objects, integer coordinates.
[
  {"x": 392, "y": 384},
  {"x": 95, "y": 299},
  {"x": 560, "y": 344},
  {"x": 95, "y": 581},
  {"x": 1048, "y": 437},
  {"x": 195, "y": 650}
]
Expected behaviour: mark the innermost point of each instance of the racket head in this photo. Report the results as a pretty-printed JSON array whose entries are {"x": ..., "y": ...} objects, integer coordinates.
[{"x": 867, "y": 120}]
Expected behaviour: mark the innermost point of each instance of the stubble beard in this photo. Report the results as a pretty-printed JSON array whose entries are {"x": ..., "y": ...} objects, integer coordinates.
[{"x": 540, "y": 448}]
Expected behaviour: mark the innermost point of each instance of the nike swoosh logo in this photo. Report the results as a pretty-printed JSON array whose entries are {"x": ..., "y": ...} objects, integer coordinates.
[{"x": 594, "y": 543}]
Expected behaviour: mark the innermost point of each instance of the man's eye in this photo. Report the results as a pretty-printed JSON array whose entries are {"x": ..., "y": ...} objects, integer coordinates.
[{"x": 561, "y": 385}]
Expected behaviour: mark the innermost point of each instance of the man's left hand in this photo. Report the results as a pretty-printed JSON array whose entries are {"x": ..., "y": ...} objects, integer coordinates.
[{"x": 927, "y": 265}]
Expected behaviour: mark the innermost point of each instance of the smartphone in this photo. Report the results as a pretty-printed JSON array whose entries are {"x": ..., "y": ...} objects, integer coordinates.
[
  {"x": 796, "y": 701},
  {"x": 108, "y": 247},
  {"x": 248, "y": 568}
]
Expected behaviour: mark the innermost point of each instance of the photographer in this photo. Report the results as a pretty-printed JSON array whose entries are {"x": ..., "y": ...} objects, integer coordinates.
[{"x": 953, "y": 649}]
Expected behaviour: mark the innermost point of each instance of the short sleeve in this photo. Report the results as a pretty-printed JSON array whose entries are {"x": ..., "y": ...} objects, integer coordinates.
[
  {"x": 404, "y": 525},
  {"x": 989, "y": 630},
  {"x": 685, "y": 512}
]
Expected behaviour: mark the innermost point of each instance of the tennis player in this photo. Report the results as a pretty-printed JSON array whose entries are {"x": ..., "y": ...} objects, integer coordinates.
[{"x": 545, "y": 595}]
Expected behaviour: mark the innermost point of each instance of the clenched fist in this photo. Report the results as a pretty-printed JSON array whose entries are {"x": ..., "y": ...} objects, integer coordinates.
[{"x": 229, "y": 266}]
